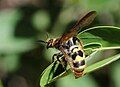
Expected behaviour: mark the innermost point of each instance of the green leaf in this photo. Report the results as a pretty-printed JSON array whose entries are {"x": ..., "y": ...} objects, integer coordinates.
[
  {"x": 100, "y": 38},
  {"x": 51, "y": 73},
  {"x": 92, "y": 45},
  {"x": 102, "y": 63},
  {"x": 47, "y": 76},
  {"x": 107, "y": 36},
  {"x": 95, "y": 52},
  {"x": 89, "y": 48}
]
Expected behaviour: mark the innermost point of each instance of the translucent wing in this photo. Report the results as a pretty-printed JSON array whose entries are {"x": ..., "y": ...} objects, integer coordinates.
[{"x": 85, "y": 21}]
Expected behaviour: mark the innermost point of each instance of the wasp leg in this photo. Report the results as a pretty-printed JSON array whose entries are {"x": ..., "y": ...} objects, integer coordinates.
[
  {"x": 79, "y": 41},
  {"x": 60, "y": 59},
  {"x": 67, "y": 58},
  {"x": 55, "y": 56},
  {"x": 63, "y": 63}
]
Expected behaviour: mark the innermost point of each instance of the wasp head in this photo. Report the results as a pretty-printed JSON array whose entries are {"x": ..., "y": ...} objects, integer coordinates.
[{"x": 50, "y": 43}]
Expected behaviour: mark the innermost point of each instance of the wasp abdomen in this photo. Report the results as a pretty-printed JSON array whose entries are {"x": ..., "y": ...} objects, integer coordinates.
[
  {"x": 78, "y": 57},
  {"x": 77, "y": 64}
]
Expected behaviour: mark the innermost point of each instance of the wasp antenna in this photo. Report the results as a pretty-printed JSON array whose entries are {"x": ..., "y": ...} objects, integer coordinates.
[
  {"x": 41, "y": 41},
  {"x": 47, "y": 35}
]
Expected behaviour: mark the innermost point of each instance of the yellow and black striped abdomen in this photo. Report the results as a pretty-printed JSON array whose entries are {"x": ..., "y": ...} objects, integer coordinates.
[
  {"x": 74, "y": 49},
  {"x": 78, "y": 56}
]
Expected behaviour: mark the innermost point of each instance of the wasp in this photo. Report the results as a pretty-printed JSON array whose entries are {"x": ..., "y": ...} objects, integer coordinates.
[{"x": 70, "y": 47}]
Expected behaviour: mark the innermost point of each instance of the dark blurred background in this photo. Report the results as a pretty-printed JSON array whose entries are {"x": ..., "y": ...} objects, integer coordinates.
[{"x": 23, "y": 22}]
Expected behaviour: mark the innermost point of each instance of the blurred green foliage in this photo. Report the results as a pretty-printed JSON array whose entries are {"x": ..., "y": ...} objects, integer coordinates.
[
  {"x": 10, "y": 44},
  {"x": 71, "y": 82},
  {"x": 1, "y": 84},
  {"x": 24, "y": 22},
  {"x": 41, "y": 20}
]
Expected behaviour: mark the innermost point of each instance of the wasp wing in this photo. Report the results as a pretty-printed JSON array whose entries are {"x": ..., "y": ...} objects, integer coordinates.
[{"x": 85, "y": 21}]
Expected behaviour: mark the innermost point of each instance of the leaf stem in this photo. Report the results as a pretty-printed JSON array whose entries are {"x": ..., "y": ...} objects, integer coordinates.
[{"x": 106, "y": 48}]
